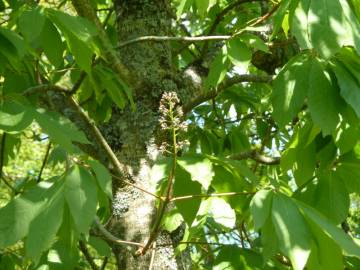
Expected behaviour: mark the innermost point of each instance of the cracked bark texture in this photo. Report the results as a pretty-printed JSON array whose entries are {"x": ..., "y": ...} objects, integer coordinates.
[{"x": 132, "y": 134}]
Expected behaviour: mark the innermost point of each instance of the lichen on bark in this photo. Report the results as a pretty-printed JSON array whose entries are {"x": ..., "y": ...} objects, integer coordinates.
[{"x": 131, "y": 133}]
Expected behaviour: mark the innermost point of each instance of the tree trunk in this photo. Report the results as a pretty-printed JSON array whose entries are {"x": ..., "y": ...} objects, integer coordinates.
[{"x": 132, "y": 134}]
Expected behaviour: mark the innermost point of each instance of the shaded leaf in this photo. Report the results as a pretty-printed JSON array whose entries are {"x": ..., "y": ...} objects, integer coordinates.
[
  {"x": 292, "y": 231},
  {"x": 80, "y": 195},
  {"x": 260, "y": 207}
]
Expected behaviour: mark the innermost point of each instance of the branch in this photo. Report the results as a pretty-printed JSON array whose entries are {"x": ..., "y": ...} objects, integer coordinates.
[
  {"x": 187, "y": 197},
  {"x": 110, "y": 237},
  {"x": 253, "y": 154},
  {"x": 78, "y": 116},
  {"x": 224, "y": 85},
  {"x": 85, "y": 9},
  {"x": 87, "y": 255},
  {"x": 169, "y": 38},
  {"x": 219, "y": 18},
  {"x": 44, "y": 162}
]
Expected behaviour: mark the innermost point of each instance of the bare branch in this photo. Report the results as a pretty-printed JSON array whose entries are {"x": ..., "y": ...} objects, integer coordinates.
[
  {"x": 44, "y": 162},
  {"x": 253, "y": 154},
  {"x": 189, "y": 197},
  {"x": 169, "y": 38},
  {"x": 87, "y": 255},
  {"x": 82, "y": 118},
  {"x": 219, "y": 18},
  {"x": 226, "y": 84},
  {"x": 111, "y": 238}
]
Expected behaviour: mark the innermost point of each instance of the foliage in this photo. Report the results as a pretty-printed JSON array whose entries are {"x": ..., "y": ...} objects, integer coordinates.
[{"x": 263, "y": 168}]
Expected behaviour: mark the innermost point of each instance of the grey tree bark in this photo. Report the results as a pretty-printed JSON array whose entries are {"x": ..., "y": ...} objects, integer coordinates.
[{"x": 133, "y": 134}]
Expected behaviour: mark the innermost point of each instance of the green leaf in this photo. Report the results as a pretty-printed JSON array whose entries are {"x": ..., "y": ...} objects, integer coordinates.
[
  {"x": 254, "y": 41},
  {"x": 326, "y": 26},
  {"x": 218, "y": 70},
  {"x": 332, "y": 198},
  {"x": 348, "y": 170},
  {"x": 347, "y": 138},
  {"x": 52, "y": 44},
  {"x": 202, "y": 6},
  {"x": 220, "y": 211},
  {"x": 349, "y": 85},
  {"x": 292, "y": 231},
  {"x": 100, "y": 246},
  {"x": 238, "y": 53},
  {"x": 16, "y": 216},
  {"x": 290, "y": 89},
  {"x": 44, "y": 227},
  {"x": 199, "y": 167},
  {"x": 184, "y": 186},
  {"x": 279, "y": 16},
  {"x": 260, "y": 207},
  {"x": 8, "y": 49},
  {"x": 80, "y": 195},
  {"x": 61, "y": 130},
  {"x": 172, "y": 220},
  {"x": 78, "y": 26},
  {"x": 234, "y": 258},
  {"x": 103, "y": 177},
  {"x": 81, "y": 51},
  {"x": 31, "y": 23},
  {"x": 305, "y": 163},
  {"x": 65, "y": 252},
  {"x": 325, "y": 253},
  {"x": 104, "y": 78},
  {"x": 299, "y": 23},
  {"x": 14, "y": 116},
  {"x": 183, "y": 6},
  {"x": 335, "y": 233},
  {"x": 79, "y": 34},
  {"x": 323, "y": 99},
  {"x": 269, "y": 239}
]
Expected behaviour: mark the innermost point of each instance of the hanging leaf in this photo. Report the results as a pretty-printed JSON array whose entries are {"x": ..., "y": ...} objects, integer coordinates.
[
  {"x": 238, "y": 53},
  {"x": 52, "y": 44},
  {"x": 81, "y": 198},
  {"x": 199, "y": 167},
  {"x": 260, "y": 207},
  {"x": 103, "y": 177},
  {"x": 324, "y": 100},
  {"x": 14, "y": 116},
  {"x": 292, "y": 231},
  {"x": 290, "y": 89},
  {"x": 332, "y": 198},
  {"x": 218, "y": 70},
  {"x": 44, "y": 227},
  {"x": 184, "y": 186},
  {"x": 31, "y": 23},
  {"x": 335, "y": 233}
]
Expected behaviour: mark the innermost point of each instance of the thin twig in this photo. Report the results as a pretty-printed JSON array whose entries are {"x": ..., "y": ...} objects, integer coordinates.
[
  {"x": 195, "y": 243},
  {"x": 119, "y": 167},
  {"x": 152, "y": 259},
  {"x": 87, "y": 255},
  {"x": 137, "y": 187},
  {"x": 44, "y": 162},
  {"x": 253, "y": 154},
  {"x": 2, "y": 153},
  {"x": 194, "y": 196},
  {"x": 110, "y": 237},
  {"x": 104, "y": 263},
  {"x": 207, "y": 95},
  {"x": 219, "y": 18}
]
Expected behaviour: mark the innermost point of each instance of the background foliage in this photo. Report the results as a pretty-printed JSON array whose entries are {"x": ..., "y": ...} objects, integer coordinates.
[{"x": 266, "y": 174}]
